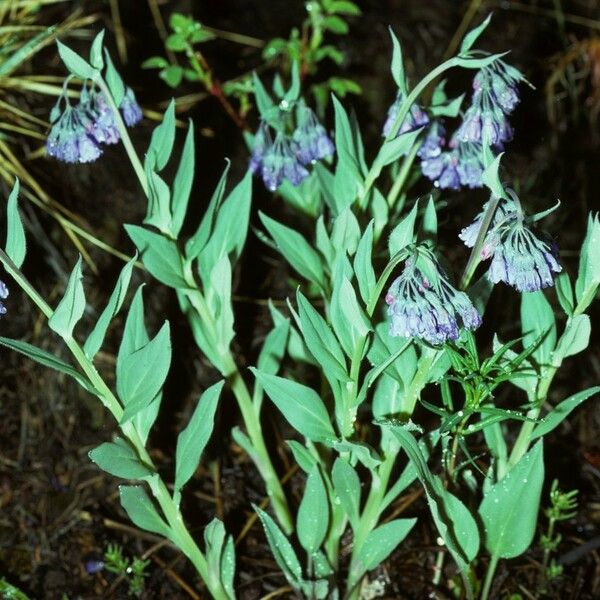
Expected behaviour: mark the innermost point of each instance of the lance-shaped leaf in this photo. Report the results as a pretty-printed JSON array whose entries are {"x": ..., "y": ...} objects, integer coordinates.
[
  {"x": 575, "y": 338},
  {"x": 510, "y": 507},
  {"x": 363, "y": 266},
  {"x": 142, "y": 373},
  {"x": 113, "y": 80},
  {"x": 404, "y": 233},
  {"x": 313, "y": 513},
  {"x": 281, "y": 548},
  {"x": 96, "y": 337},
  {"x": 16, "y": 245},
  {"x": 538, "y": 322},
  {"x": 491, "y": 177},
  {"x": 141, "y": 510},
  {"x": 160, "y": 256},
  {"x": 220, "y": 556},
  {"x": 263, "y": 100},
  {"x": 48, "y": 360},
  {"x": 471, "y": 37},
  {"x": 347, "y": 487},
  {"x": 379, "y": 544},
  {"x": 119, "y": 459},
  {"x": 70, "y": 308},
  {"x": 398, "y": 64},
  {"x": 393, "y": 149},
  {"x": 182, "y": 184},
  {"x": 96, "y": 59},
  {"x": 300, "y": 405},
  {"x": 588, "y": 278},
  {"x": 161, "y": 142},
  {"x": 74, "y": 63},
  {"x": 193, "y": 439}
]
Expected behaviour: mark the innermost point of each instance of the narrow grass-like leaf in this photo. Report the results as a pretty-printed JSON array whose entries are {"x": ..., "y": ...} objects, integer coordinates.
[
  {"x": 113, "y": 80},
  {"x": 182, "y": 184},
  {"x": 16, "y": 245}
]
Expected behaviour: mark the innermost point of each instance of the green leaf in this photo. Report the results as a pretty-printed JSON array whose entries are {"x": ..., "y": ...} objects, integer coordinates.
[
  {"x": 347, "y": 488},
  {"x": 429, "y": 227},
  {"x": 575, "y": 338},
  {"x": 336, "y": 25},
  {"x": 158, "y": 212},
  {"x": 70, "y": 308},
  {"x": 564, "y": 292},
  {"x": 509, "y": 509},
  {"x": 296, "y": 250},
  {"x": 48, "y": 360},
  {"x": 141, "y": 510},
  {"x": 293, "y": 92},
  {"x": 263, "y": 100},
  {"x": 172, "y": 75},
  {"x": 113, "y": 80},
  {"x": 588, "y": 278},
  {"x": 320, "y": 340},
  {"x": 16, "y": 245},
  {"x": 344, "y": 7},
  {"x": 561, "y": 411},
  {"x": 193, "y": 439},
  {"x": 155, "y": 62},
  {"x": 398, "y": 64},
  {"x": 141, "y": 374},
  {"x": 537, "y": 321},
  {"x": 393, "y": 149},
  {"x": 182, "y": 184},
  {"x": 380, "y": 543},
  {"x": 471, "y": 37},
  {"x": 313, "y": 513},
  {"x": 404, "y": 233},
  {"x": 160, "y": 256},
  {"x": 454, "y": 522},
  {"x": 74, "y": 63},
  {"x": 146, "y": 417},
  {"x": 363, "y": 266},
  {"x": 96, "y": 59},
  {"x": 220, "y": 556},
  {"x": 198, "y": 241},
  {"x": 300, "y": 405},
  {"x": 281, "y": 549},
  {"x": 346, "y": 232},
  {"x": 163, "y": 137},
  {"x": 176, "y": 42},
  {"x": 491, "y": 177},
  {"x": 96, "y": 337},
  {"x": 118, "y": 458}
]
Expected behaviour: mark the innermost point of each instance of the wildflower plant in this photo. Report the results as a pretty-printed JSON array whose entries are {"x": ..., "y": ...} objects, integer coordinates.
[{"x": 377, "y": 317}]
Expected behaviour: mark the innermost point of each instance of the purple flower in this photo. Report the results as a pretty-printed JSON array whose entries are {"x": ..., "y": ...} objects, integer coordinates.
[
  {"x": 69, "y": 140},
  {"x": 481, "y": 125},
  {"x": 311, "y": 141},
  {"x": 94, "y": 566},
  {"x": 3, "y": 296},
  {"x": 497, "y": 83},
  {"x": 442, "y": 170},
  {"x": 521, "y": 257},
  {"x": 262, "y": 142},
  {"x": 470, "y": 164},
  {"x": 279, "y": 162},
  {"x": 428, "y": 308},
  {"x": 132, "y": 113},
  {"x": 434, "y": 141},
  {"x": 99, "y": 119},
  {"x": 415, "y": 118}
]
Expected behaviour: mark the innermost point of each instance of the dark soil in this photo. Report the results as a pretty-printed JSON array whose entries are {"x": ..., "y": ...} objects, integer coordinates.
[{"x": 59, "y": 511}]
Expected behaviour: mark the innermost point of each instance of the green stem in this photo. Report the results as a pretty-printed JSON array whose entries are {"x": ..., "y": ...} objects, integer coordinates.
[
  {"x": 127, "y": 143},
  {"x": 475, "y": 257},
  {"x": 489, "y": 577},
  {"x": 109, "y": 400},
  {"x": 402, "y": 176},
  {"x": 375, "y": 170}
]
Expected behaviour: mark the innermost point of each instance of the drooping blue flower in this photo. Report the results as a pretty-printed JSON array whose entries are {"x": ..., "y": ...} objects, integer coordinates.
[
  {"x": 69, "y": 140},
  {"x": 262, "y": 142},
  {"x": 430, "y": 309},
  {"x": 488, "y": 124},
  {"x": 3, "y": 296},
  {"x": 443, "y": 170},
  {"x": 279, "y": 162},
  {"x": 434, "y": 141},
  {"x": 100, "y": 122},
  {"x": 132, "y": 113},
  {"x": 498, "y": 83},
  {"x": 521, "y": 257},
  {"x": 415, "y": 118},
  {"x": 94, "y": 566},
  {"x": 311, "y": 141},
  {"x": 470, "y": 165}
]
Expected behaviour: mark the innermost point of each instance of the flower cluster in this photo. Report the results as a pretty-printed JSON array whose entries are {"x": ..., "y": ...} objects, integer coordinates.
[
  {"x": 277, "y": 156},
  {"x": 428, "y": 308},
  {"x": 77, "y": 131},
  {"x": 521, "y": 257},
  {"x": 3, "y": 296},
  {"x": 485, "y": 121},
  {"x": 415, "y": 118}
]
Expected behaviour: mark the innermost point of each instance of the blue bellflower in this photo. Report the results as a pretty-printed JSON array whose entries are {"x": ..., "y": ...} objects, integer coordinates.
[
  {"x": 3, "y": 296},
  {"x": 69, "y": 140},
  {"x": 280, "y": 162},
  {"x": 415, "y": 118},
  {"x": 311, "y": 141},
  {"x": 434, "y": 141},
  {"x": 100, "y": 123},
  {"x": 443, "y": 170},
  {"x": 132, "y": 113},
  {"x": 522, "y": 258},
  {"x": 428, "y": 309}
]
